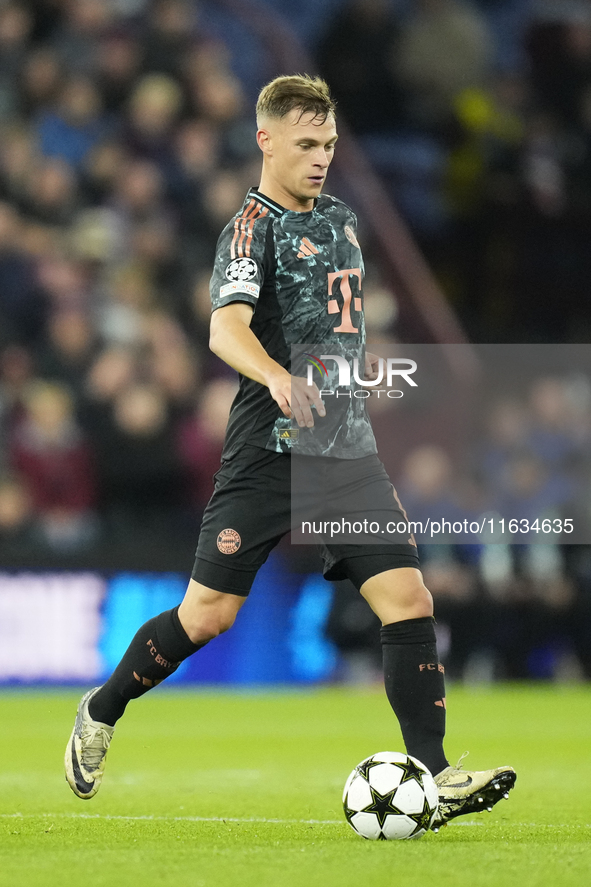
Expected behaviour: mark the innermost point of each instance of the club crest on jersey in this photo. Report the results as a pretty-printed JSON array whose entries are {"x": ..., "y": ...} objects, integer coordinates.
[
  {"x": 241, "y": 269},
  {"x": 350, "y": 235},
  {"x": 229, "y": 541}
]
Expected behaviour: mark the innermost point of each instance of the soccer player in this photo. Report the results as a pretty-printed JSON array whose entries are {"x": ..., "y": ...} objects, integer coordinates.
[{"x": 288, "y": 270}]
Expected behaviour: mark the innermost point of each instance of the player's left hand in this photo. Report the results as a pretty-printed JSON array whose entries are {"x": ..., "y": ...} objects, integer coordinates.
[{"x": 372, "y": 370}]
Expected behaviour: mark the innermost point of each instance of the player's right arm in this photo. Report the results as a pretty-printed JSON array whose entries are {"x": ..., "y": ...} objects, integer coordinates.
[
  {"x": 232, "y": 339},
  {"x": 244, "y": 255}
]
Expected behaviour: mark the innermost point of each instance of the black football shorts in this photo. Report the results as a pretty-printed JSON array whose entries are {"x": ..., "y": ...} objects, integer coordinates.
[{"x": 251, "y": 510}]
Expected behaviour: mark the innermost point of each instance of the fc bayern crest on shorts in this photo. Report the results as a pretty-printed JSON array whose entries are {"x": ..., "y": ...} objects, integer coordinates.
[
  {"x": 241, "y": 269},
  {"x": 229, "y": 541}
]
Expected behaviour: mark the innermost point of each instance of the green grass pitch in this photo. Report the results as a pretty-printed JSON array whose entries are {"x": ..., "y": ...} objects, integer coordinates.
[{"x": 226, "y": 788}]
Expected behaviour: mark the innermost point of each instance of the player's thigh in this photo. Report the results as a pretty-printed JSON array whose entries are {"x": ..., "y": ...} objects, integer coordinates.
[
  {"x": 386, "y": 572},
  {"x": 367, "y": 498},
  {"x": 248, "y": 514},
  {"x": 363, "y": 501}
]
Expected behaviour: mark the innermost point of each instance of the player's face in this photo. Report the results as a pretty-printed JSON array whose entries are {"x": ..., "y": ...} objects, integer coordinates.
[{"x": 298, "y": 151}]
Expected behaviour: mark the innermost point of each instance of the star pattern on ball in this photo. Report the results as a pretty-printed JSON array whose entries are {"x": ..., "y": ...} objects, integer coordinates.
[
  {"x": 365, "y": 766},
  {"x": 388, "y": 807},
  {"x": 382, "y": 806},
  {"x": 411, "y": 771},
  {"x": 422, "y": 819}
]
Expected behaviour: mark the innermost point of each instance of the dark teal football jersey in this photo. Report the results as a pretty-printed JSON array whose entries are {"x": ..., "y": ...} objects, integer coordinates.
[{"x": 303, "y": 273}]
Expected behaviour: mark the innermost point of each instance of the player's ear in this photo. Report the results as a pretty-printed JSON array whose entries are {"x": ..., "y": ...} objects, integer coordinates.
[{"x": 264, "y": 141}]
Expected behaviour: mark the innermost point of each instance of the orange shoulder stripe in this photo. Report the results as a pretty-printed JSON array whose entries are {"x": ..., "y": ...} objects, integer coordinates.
[
  {"x": 261, "y": 215},
  {"x": 244, "y": 228},
  {"x": 237, "y": 226},
  {"x": 244, "y": 224}
]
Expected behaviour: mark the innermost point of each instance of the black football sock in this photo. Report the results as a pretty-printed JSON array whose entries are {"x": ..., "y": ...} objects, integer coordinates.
[
  {"x": 415, "y": 687},
  {"x": 156, "y": 651}
]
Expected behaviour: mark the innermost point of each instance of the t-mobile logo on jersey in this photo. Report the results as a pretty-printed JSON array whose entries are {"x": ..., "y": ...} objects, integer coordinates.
[{"x": 346, "y": 325}]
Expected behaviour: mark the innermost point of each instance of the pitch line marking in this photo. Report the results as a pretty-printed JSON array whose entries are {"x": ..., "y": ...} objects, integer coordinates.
[
  {"x": 254, "y": 819},
  {"x": 109, "y": 816},
  {"x": 170, "y": 818}
]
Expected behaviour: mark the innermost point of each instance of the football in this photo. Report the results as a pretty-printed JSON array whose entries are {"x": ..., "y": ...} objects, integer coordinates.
[{"x": 390, "y": 796}]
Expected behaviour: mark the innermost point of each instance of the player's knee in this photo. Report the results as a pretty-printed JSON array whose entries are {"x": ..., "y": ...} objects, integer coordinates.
[
  {"x": 206, "y": 613},
  {"x": 398, "y": 595},
  {"x": 414, "y": 602},
  {"x": 205, "y": 627},
  {"x": 225, "y": 621},
  {"x": 203, "y": 623}
]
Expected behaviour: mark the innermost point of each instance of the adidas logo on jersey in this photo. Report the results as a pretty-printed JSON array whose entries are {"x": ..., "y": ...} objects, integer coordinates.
[{"x": 307, "y": 249}]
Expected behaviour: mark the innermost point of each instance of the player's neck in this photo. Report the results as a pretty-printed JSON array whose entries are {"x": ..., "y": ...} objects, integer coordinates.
[{"x": 271, "y": 188}]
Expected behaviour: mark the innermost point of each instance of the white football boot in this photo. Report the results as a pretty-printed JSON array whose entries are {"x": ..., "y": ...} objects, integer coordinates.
[
  {"x": 470, "y": 791},
  {"x": 86, "y": 751}
]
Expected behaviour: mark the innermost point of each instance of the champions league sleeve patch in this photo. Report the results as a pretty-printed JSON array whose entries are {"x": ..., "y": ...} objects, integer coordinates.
[{"x": 241, "y": 269}]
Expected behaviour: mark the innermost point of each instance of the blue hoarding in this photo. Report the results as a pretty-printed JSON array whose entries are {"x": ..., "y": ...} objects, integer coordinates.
[{"x": 74, "y": 627}]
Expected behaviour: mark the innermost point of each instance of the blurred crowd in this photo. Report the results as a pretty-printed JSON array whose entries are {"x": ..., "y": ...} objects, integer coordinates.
[
  {"x": 126, "y": 146},
  {"x": 478, "y": 115},
  {"x": 127, "y": 142},
  {"x": 520, "y": 607}
]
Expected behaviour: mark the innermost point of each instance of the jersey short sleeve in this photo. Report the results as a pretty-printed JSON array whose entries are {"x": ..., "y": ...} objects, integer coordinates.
[{"x": 240, "y": 254}]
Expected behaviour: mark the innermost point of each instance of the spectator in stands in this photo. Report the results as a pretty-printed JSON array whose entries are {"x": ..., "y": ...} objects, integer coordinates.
[
  {"x": 201, "y": 436},
  {"x": 560, "y": 52},
  {"x": 138, "y": 200},
  {"x": 444, "y": 48},
  {"x": 171, "y": 34},
  {"x": 505, "y": 437},
  {"x": 129, "y": 296},
  {"x": 139, "y": 472},
  {"x": 78, "y": 31},
  {"x": 16, "y": 373},
  {"x": 20, "y": 536},
  {"x": 69, "y": 350},
  {"x": 154, "y": 107},
  {"x": 22, "y": 306},
  {"x": 217, "y": 96},
  {"x": 197, "y": 149},
  {"x": 49, "y": 451},
  {"x": 355, "y": 54},
  {"x": 170, "y": 361},
  {"x": 15, "y": 27},
  {"x": 101, "y": 171},
  {"x": 41, "y": 76},
  {"x": 52, "y": 193},
  {"x": 65, "y": 282},
  {"x": 554, "y": 436},
  {"x": 112, "y": 371},
  {"x": 428, "y": 488},
  {"x": 119, "y": 62},
  {"x": 72, "y": 128},
  {"x": 17, "y": 155}
]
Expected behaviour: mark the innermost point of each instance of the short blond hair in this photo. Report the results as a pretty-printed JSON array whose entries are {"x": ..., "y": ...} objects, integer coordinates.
[{"x": 308, "y": 95}]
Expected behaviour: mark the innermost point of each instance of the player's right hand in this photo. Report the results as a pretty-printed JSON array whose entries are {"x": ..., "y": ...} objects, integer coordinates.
[{"x": 295, "y": 399}]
